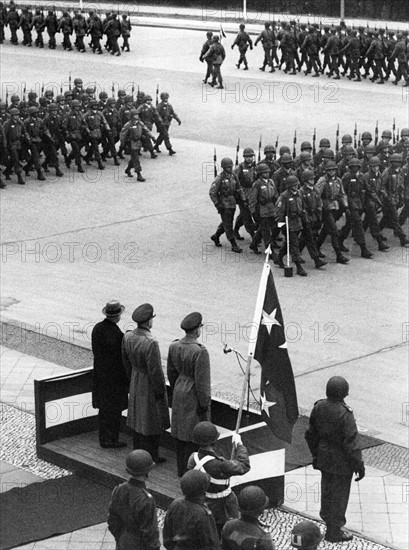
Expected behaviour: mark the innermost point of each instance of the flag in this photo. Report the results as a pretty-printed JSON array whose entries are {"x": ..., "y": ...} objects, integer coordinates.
[{"x": 278, "y": 398}]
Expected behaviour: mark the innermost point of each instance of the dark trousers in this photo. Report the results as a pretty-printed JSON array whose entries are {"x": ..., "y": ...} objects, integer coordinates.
[
  {"x": 245, "y": 218},
  {"x": 109, "y": 421},
  {"x": 227, "y": 215},
  {"x": 308, "y": 238},
  {"x": 134, "y": 161},
  {"x": 293, "y": 246},
  {"x": 148, "y": 443},
  {"x": 243, "y": 58},
  {"x": 404, "y": 213},
  {"x": 329, "y": 218},
  {"x": 390, "y": 219},
  {"x": 164, "y": 137},
  {"x": 335, "y": 491},
  {"x": 354, "y": 222},
  {"x": 183, "y": 451},
  {"x": 209, "y": 70}
]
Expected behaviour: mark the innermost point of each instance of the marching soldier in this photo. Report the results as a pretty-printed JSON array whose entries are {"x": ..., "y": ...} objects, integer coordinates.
[
  {"x": 130, "y": 137},
  {"x": 392, "y": 191},
  {"x": 225, "y": 192},
  {"x": 96, "y": 123},
  {"x": 126, "y": 32},
  {"x": 323, "y": 145},
  {"x": 111, "y": 137},
  {"x": 270, "y": 159},
  {"x": 312, "y": 220},
  {"x": 80, "y": 29},
  {"x": 375, "y": 52},
  {"x": 38, "y": 24},
  {"x": 12, "y": 20},
  {"x": 53, "y": 139},
  {"x": 96, "y": 31},
  {"x": 242, "y": 41},
  {"x": 332, "y": 47},
  {"x": 217, "y": 54},
  {"x": 75, "y": 127},
  {"x": 266, "y": 37},
  {"x": 366, "y": 139},
  {"x": 149, "y": 116},
  {"x": 166, "y": 114},
  {"x": 26, "y": 25},
  {"x": 348, "y": 153},
  {"x": 51, "y": 24},
  {"x": 372, "y": 201},
  {"x": 400, "y": 53},
  {"x": 281, "y": 176},
  {"x": 205, "y": 49},
  {"x": 309, "y": 48},
  {"x": 15, "y": 133},
  {"x": 35, "y": 129},
  {"x": 113, "y": 30},
  {"x": 246, "y": 173}
]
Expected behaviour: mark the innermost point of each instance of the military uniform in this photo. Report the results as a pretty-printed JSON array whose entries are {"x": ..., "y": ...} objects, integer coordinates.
[
  {"x": 266, "y": 37},
  {"x": 132, "y": 517},
  {"x": 393, "y": 189},
  {"x": 246, "y": 173},
  {"x": 242, "y": 41},
  {"x": 312, "y": 220},
  {"x": 15, "y": 133},
  {"x": 262, "y": 200},
  {"x": 166, "y": 113},
  {"x": 245, "y": 533},
  {"x": 205, "y": 49},
  {"x": 51, "y": 24},
  {"x": 130, "y": 137}
]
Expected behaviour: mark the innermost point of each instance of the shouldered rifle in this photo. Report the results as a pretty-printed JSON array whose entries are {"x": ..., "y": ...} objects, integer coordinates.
[
  {"x": 113, "y": 89},
  {"x": 337, "y": 140},
  {"x": 314, "y": 138},
  {"x": 215, "y": 163},
  {"x": 294, "y": 144},
  {"x": 277, "y": 142},
  {"x": 376, "y": 133},
  {"x": 24, "y": 91},
  {"x": 355, "y": 134},
  {"x": 359, "y": 140},
  {"x": 259, "y": 149},
  {"x": 393, "y": 132},
  {"x": 157, "y": 95},
  {"x": 237, "y": 151}
]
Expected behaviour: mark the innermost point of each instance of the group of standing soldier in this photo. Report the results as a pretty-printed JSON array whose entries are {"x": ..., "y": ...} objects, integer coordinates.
[
  {"x": 76, "y": 117},
  {"x": 310, "y": 193},
  {"x": 359, "y": 53},
  {"x": 93, "y": 26}
]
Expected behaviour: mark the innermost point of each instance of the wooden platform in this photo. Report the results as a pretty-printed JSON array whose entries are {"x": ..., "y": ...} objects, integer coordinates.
[{"x": 82, "y": 453}]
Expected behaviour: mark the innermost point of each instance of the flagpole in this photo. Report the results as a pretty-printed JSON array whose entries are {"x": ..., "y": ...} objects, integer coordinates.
[{"x": 254, "y": 331}]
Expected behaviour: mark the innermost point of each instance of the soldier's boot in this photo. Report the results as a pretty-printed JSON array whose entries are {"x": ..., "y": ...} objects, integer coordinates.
[
  {"x": 27, "y": 169},
  {"x": 382, "y": 81},
  {"x": 156, "y": 148},
  {"x": 153, "y": 156},
  {"x": 128, "y": 171},
  {"x": 67, "y": 161},
  {"x": 263, "y": 68},
  {"x": 341, "y": 259},
  {"x": 20, "y": 180},
  {"x": 100, "y": 165},
  {"x": 216, "y": 240},
  {"x": 120, "y": 153},
  {"x": 340, "y": 536},
  {"x": 7, "y": 174},
  {"x": 116, "y": 161},
  {"x": 279, "y": 259},
  {"x": 45, "y": 166},
  {"x": 342, "y": 247},
  {"x": 254, "y": 247},
  {"x": 235, "y": 247},
  {"x": 2, "y": 184},
  {"x": 358, "y": 78},
  {"x": 404, "y": 241},
  {"x": 381, "y": 245},
  {"x": 80, "y": 168},
  {"x": 319, "y": 263},
  {"x": 58, "y": 172},
  {"x": 246, "y": 68},
  {"x": 365, "y": 252},
  {"x": 140, "y": 178},
  {"x": 300, "y": 270},
  {"x": 171, "y": 152},
  {"x": 40, "y": 175}
]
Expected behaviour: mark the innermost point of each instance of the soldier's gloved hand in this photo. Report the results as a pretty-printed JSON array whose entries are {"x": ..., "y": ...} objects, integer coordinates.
[
  {"x": 232, "y": 47},
  {"x": 361, "y": 473},
  {"x": 236, "y": 439}
]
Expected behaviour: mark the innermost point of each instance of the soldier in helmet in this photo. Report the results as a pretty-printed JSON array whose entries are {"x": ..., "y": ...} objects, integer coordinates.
[
  {"x": 368, "y": 153},
  {"x": 262, "y": 199},
  {"x": 266, "y": 37},
  {"x": 36, "y": 130},
  {"x": 65, "y": 25},
  {"x": 80, "y": 29},
  {"x": 346, "y": 141},
  {"x": 131, "y": 140},
  {"x": 348, "y": 153},
  {"x": 217, "y": 54},
  {"x": 39, "y": 24},
  {"x": 167, "y": 114},
  {"x": 246, "y": 173},
  {"x": 402, "y": 146},
  {"x": 366, "y": 139},
  {"x": 113, "y": 31},
  {"x": 78, "y": 88},
  {"x": 189, "y": 523},
  {"x": 126, "y": 28},
  {"x": 310, "y": 47},
  {"x": 305, "y": 147},
  {"x": 219, "y": 497},
  {"x": 393, "y": 193},
  {"x": 306, "y": 535},
  {"x": 332, "y": 47},
  {"x": 205, "y": 49},
  {"x": 312, "y": 220},
  {"x": 284, "y": 172},
  {"x": 96, "y": 31},
  {"x": 149, "y": 116},
  {"x": 372, "y": 201},
  {"x": 242, "y": 41},
  {"x": 15, "y": 134},
  {"x": 400, "y": 53},
  {"x": 188, "y": 369},
  {"x": 97, "y": 124},
  {"x": 75, "y": 129},
  {"x": 270, "y": 159},
  {"x": 323, "y": 145},
  {"x": 12, "y": 20},
  {"x": 51, "y": 24},
  {"x": 334, "y": 204},
  {"x": 375, "y": 53},
  {"x": 26, "y": 25},
  {"x": 247, "y": 532},
  {"x": 53, "y": 123},
  {"x": 225, "y": 192},
  {"x": 112, "y": 136},
  {"x": 333, "y": 439},
  {"x": 132, "y": 516},
  {"x": 385, "y": 142},
  {"x": 304, "y": 162}
]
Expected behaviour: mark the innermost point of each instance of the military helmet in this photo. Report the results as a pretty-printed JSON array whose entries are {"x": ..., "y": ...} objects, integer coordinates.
[
  {"x": 75, "y": 103},
  {"x": 242, "y": 26},
  {"x": 328, "y": 154},
  {"x": 68, "y": 94},
  {"x": 387, "y": 134},
  {"x": 370, "y": 149},
  {"x": 396, "y": 157},
  {"x": 205, "y": 433},
  {"x": 133, "y": 112},
  {"x": 121, "y": 93},
  {"x": 49, "y": 93},
  {"x": 324, "y": 142},
  {"x": 33, "y": 110},
  {"x": 307, "y": 175},
  {"x": 53, "y": 107},
  {"x": 138, "y": 462},
  {"x": 32, "y": 95},
  {"x": 354, "y": 162},
  {"x": 305, "y": 145},
  {"x": 374, "y": 161},
  {"x": 147, "y": 97},
  {"x": 306, "y": 535},
  {"x": 111, "y": 101},
  {"x": 269, "y": 149},
  {"x": 194, "y": 483},
  {"x": 286, "y": 158},
  {"x": 14, "y": 111},
  {"x": 404, "y": 132},
  {"x": 60, "y": 97},
  {"x": 103, "y": 95},
  {"x": 226, "y": 162},
  {"x": 252, "y": 499},
  {"x": 78, "y": 81},
  {"x": 164, "y": 95},
  {"x": 93, "y": 103},
  {"x": 284, "y": 149},
  {"x": 90, "y": 90},
  {"x": 337, "y": 387},
  {"x": 248, "y": 152},
  {"x": 311, "y": 29},
  {"x": 346, "y": 138},
  {"x": 348, "y": 150},
  {"x": 366, "y": 135},
  {"x": 209, "y": 34},
  {"x": 292, "y": 180},
  {"x": 128, "y": 98},
  {"x": 262, "y": 168},
  {"x": 330, "y": 165},
  {"x": 305, "y": 156},
  {"x": 14, "y": 98}
]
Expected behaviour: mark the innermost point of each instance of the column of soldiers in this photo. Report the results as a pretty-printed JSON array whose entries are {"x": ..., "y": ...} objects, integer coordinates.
[
  {"x": 35, "y": 132},
  {"x": 341, "y": 50},
  {"x": 367, "y": 185},
  {"x": 93, "y": 26}
]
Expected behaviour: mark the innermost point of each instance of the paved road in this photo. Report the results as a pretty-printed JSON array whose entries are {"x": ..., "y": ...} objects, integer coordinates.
[{"x": 151, "y": 240}]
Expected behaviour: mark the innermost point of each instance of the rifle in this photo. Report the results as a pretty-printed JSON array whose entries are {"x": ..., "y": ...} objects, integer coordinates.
[
  {"x": 337, "y": 140},
  {"x": 69, "y": 82},
  {"x": 61, "y": 88},
  {"x": 376, "y": 133},
  {"x": 42, "y": 89},
  {"x": 314, "y": 137},
  {"x": 215, "y": 163},
  {"x": 157, "y": 95},
  {"x": 294, "y": 144},
  {"x": 277, "y": 142},
  {"x": 359, "y": 140},
  {"x": 133, "y": 89},
  {"x": 393, "y": 132},
  {"x": 259, "y": 149},
  {"x": 355, "y": 133},
  {"x": 113, "y": 89},
  {"x": 237, "y": 151},
  {"x": 24, "y": 92},
  {"x": 7, "y": 99}
]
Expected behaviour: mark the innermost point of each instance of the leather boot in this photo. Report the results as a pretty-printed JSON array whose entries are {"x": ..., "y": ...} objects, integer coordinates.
[
  {"x": 80, "y": 169},
  {"x": 20, "y": 180},
  {"x": 365, "y": 252},
  {"x": 156, "y": 148},
  {"x": 279, "y": 260},
  {"x": 58, "y": 172},
  {"x": 319, "y": 263},
  {"x": 171, "y": 152},
  {"x": 40, "y": 175},
  {"x": 234, "y": 247},
  {"x": 128, "y": 172},
  {"x": 153, "y": 156},
  {"x": 140, "y": 178},
  {"x": 101, "y": 166},
  {"x": 216, "y": 240},
  {"x": 254, "y": 248},
  {"x": 341, "y": 259},
  {"x": 300, "y": 270},
  {"x": 381, "y": 245},
  {"x": 116, "y": 161}
]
